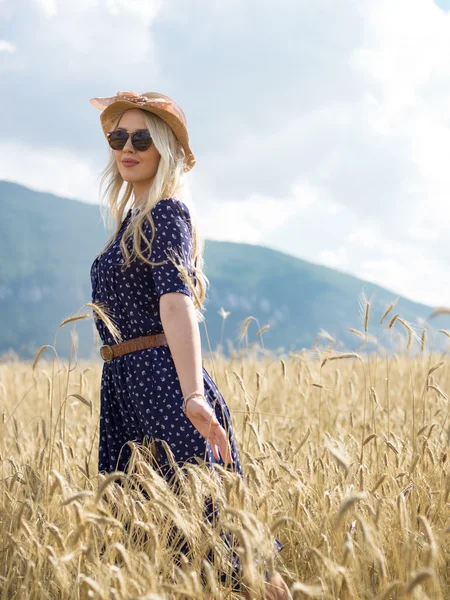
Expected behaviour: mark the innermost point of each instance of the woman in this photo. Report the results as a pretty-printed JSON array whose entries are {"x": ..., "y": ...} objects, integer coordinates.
[{"x": 149, "y": 287}]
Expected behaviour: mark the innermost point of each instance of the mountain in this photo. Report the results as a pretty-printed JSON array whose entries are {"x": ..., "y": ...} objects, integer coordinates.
[
  {"x": 297, "y": 298},
  {"x": 48, "y": 243}
]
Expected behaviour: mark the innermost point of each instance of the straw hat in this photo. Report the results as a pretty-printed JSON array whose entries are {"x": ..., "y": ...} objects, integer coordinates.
[{"x": 159, "y": 104}]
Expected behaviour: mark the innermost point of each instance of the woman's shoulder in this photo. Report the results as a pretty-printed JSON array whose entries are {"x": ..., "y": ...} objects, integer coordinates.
[{"x": 171, "y": 207}]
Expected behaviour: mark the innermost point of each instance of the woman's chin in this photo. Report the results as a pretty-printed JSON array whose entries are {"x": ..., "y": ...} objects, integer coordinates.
[{"x": 130, "y": 179}]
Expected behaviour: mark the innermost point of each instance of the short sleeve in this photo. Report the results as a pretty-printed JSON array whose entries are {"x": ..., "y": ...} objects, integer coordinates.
[{"x": 173, "y": 238}]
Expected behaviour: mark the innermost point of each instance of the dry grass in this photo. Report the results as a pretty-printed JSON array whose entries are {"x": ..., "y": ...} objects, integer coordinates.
[{"x": 346, "y": 460}]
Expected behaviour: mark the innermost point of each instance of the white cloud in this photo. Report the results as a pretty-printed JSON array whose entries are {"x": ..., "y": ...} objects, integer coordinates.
[
  {"x": 10, "y": 59},
  {"x": 100, "y": 35},
  {"x": 336, "y": 259},
  {"x": 422, "y": 279},
  {"x": 257, "y": 216},
  {"x": 8, "y": 47},
  {"x": 248, "y": 220},
  {"x": 55, "y": 170},
  {"x": 143, "y": 9},
  {"x": 405, "y": 62},
  {"x": 421, "y": 233},
  {"x": 364, "y": 237},
  {"x": 405, "y": 50},
  {"x": 48, "y": 7}
]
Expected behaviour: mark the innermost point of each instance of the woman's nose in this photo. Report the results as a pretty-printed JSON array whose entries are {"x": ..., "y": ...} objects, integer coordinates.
[{"x": 129, "y": 144}]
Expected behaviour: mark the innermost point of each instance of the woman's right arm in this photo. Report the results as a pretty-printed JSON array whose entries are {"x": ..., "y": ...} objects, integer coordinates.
[{"x": 180, "y": 325}]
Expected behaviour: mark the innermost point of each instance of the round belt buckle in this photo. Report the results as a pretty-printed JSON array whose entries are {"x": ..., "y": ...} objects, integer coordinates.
[{"x": 109, "y": 355}]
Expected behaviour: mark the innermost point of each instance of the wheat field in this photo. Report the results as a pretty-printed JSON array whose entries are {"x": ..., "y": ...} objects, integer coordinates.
[{"x": 346, "y": 463}]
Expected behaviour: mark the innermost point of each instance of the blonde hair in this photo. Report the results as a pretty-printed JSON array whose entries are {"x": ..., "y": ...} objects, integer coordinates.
[{"x": 169, "y": 182}]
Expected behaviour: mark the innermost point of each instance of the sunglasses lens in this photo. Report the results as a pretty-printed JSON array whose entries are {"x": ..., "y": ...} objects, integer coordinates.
[
  {"x": 117, "y": 139},
  {"x": 141, "y": 140}
]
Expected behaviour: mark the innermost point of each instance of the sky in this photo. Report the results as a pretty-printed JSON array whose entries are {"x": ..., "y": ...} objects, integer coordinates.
[{"x": 321, "y": 129}]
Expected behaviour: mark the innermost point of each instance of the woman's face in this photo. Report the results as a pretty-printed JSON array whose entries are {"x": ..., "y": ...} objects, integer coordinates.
[{"x": 141, "y": 166}]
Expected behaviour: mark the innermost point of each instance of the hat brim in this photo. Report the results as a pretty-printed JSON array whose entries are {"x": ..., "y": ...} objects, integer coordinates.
[{"x": 110, "y": 114}]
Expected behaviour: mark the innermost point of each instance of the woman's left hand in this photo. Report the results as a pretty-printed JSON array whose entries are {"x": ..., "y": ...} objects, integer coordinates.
[{"x": 203, "y": 418}]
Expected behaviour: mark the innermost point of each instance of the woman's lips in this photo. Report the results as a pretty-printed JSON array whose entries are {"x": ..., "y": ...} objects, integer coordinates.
[{"x": 129, "y": 163}]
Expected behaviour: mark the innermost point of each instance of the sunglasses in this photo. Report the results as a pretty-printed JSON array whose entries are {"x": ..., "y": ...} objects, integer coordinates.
[{"x": 141, "y": 139}]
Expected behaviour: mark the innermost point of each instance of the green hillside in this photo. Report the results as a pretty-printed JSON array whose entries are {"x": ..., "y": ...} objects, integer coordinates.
[
  {"x": 48, "y": 243},
  {"x": 297, "y": 298}
]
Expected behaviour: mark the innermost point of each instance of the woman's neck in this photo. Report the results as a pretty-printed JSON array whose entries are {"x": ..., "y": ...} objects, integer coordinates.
[{"x": 140, "y": 197}]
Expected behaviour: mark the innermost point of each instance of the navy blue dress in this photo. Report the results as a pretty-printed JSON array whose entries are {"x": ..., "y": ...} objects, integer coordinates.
[{"x": 140, "y": 393}]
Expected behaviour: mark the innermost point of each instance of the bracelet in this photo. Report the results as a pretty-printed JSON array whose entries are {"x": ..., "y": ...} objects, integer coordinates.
[{"x": 186, "y": 400}]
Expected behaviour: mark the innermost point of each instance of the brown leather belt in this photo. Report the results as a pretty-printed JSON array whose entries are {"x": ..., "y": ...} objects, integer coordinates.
[{"x": 109, "y": 352}]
